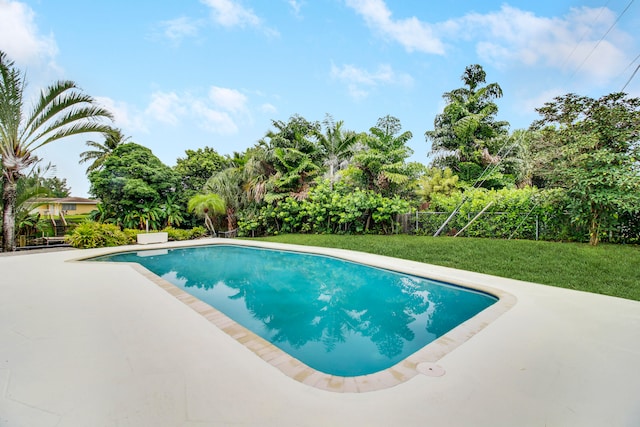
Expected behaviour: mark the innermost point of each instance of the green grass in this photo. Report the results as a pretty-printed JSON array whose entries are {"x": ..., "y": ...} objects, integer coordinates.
[{"x": 605, "y": 269}]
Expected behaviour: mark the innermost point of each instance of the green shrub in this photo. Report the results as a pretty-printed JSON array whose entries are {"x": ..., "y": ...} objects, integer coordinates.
[
  {"x": 197, "y": 232},
  {"x": 95, "y": 235},
  {"x": 326, "y": 211},
  {"x": 181, "y": 234},
  {"x": 177, "y": 233},
  {"x": 131, "y": 234}
]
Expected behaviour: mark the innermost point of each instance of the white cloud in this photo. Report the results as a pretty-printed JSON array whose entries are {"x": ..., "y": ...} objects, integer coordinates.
[
  {"x": 166, "y": 107},
  {"x": 213, "y": 120},
  {"x": 513, "y": 36},
  {"x": 125, "y": 116},
  {"x": 20, "y": 38},
  {"x": 268, "y": 108},
  {"x": 219, "y": 112},
  {"x": 179, "y": 28},
  {"x": 296, "y": 6},
  {"x": 529, "y": 105},
  {"x": 230, "y": 13},
  {"x": 360, "y": 81},
  {"x": 411, "y": 33},
  {"x": 228, "y": 99}
]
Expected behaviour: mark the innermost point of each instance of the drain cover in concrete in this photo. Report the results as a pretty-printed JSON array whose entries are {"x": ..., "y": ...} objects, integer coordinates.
[{"x": 430, "y": 369}]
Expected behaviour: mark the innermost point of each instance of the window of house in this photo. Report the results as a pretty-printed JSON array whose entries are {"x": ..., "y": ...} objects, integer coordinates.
[{"x": 68, "y": 206}]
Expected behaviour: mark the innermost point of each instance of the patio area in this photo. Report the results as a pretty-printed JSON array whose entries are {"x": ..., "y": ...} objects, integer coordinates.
[{"x": 91, "y": 344}]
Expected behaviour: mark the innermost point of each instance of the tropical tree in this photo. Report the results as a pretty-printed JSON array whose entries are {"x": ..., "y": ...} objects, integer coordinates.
[
  {"x": 206, "y": 206},
  {"x": 131, "y": 177},
  {"x": 101, "y": 151},
  {"x": 197, "y": 167},
  {"x": 436, "y": 181},
  {"x": 336, "y": 146},
  {"x": 293, "y": 153},
  {"x": 42, "y": 177},
  {"x": 228, "y": 185},
  {"x": 379, "y": 163},
  {"x": 525, "y": 157},
  {"x": 464, "y": 131},
  {"x": 148, "y": 214},
  {"x": 62, "y": 110},
  {"x": 102, "y": 214},
  {"x": 256, "y": 174},
  {"x": 29, "y": 195},
  {"x": 593, "y": 152},
  {"x": 172, "y": 211}
]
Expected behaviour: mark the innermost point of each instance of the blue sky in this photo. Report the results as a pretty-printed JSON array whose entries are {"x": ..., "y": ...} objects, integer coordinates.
[{"x": 195, "y": 73}]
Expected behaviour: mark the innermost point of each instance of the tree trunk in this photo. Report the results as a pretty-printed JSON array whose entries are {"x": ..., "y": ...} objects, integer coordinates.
[
  {"x": 209, "y": 224},
  {"x": 594, "y": 228},
  {"x": 9, "y": 215},
  {"x": 231, "y": 219}
]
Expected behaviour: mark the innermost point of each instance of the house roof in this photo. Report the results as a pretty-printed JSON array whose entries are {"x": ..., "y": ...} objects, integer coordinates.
[{"x": 76, "y": 200}]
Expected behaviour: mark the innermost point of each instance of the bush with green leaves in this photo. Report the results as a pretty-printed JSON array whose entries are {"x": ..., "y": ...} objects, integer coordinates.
[
  {"x": 181, "y": 234},
  {"x": 326, "y": 211},
  {"x": 95, "y": 235},
  {"x": 513, "y": 213}
]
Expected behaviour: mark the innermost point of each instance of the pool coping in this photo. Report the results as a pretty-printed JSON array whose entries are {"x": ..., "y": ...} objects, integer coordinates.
[{"x": 421, "y": 362}]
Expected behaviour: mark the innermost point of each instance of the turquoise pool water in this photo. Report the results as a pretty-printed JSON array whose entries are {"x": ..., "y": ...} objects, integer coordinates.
[{"x": 338, "y": 317}]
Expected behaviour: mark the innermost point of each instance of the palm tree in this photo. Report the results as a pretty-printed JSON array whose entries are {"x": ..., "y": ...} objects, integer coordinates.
[
  {"x": 228, "y": 185},
  {"x": 255, "y": 175},
  {"x": 101, "y": 151},
  {"x": 205, "y": 206},
  {"x": 336, "y": 146},
  {"x": 467, "y": 125},
  {"x": 29, "y": 195},
  {"x": 382, "y": 157},
  {"x": 62, "y": 110},
  {"x": 293, "y": 153}
]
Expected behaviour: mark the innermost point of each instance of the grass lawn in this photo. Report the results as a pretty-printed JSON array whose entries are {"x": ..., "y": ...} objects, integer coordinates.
[{"x": 605, "y": 269}]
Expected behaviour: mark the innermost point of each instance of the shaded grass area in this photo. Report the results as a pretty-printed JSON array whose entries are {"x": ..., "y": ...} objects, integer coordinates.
[{"x": 605, "y": 269}]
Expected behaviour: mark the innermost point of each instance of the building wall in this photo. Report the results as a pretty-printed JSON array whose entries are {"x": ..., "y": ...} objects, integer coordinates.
[{"x": 55, "y": 209}]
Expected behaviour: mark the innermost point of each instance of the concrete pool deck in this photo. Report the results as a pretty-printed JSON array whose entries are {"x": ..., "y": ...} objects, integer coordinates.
[{"x": 90, "y": 344}]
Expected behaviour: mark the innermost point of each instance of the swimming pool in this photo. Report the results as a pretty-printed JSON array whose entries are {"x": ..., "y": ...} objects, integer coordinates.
[{"x": 338, "y": 317}]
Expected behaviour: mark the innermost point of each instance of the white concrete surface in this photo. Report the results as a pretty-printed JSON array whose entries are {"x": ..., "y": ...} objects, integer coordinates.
[{"x": 89, "y": 344}]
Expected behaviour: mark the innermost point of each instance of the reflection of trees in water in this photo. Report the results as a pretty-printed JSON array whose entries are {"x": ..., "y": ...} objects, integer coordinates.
[
  {"x": 453, "y": 306},
  {"x": 338, "y": 299},
  {"x": 388, "y": 324}
]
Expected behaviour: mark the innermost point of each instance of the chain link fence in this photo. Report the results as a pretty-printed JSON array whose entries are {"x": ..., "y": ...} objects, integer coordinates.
[{"x": 515, "y": 225}]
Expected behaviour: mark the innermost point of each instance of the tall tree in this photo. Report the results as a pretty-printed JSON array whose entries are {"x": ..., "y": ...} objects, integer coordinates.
[
  {"x": 131, "y": 179},
  {"x": 62, "y": 110},
  {"x": 256, "y": 174},
  {"x": 464, "y": 130},
  {"x": 29, "y": 195},
  {"x": 293, "y": 152},
  {"x": 336, "y": 146},
  {"x": 197, "y": 167},
  {"x": 380, "y": 162},
  {"x": 592, "y": 147},
  {"x": 228, "y": 185},
  {"x": 101, "y": 151}
]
